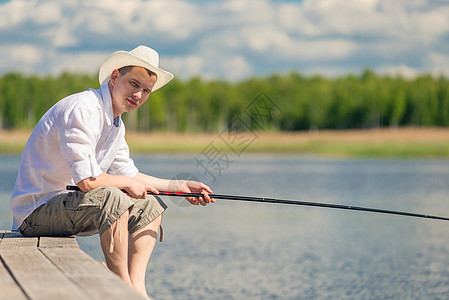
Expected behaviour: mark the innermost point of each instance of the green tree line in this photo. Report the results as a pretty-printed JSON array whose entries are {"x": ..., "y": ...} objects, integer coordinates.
[{"x": 198, "y": 105}]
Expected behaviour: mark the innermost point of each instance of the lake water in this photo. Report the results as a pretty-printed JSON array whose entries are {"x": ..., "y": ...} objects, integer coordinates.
[{"x": 240, "y": 250}]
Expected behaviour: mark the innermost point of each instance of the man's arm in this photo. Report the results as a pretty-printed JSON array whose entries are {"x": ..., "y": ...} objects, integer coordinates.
[
  {"x": 132, "y": 185},
  {"x": 138, "y": 186}
]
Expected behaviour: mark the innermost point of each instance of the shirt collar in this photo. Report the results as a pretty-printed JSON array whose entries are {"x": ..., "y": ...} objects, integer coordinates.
[{"x": 107, "y": 104}]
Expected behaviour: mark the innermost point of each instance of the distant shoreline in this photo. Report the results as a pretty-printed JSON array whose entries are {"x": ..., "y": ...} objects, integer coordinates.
[{"x": 408, "y": 142}]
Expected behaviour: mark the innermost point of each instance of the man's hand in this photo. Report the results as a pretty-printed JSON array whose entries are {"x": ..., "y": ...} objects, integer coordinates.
[
  {"x": 184, "y": 186},
  {"x": 189, "y": 186},
  {"x": 137, "y": 189}
]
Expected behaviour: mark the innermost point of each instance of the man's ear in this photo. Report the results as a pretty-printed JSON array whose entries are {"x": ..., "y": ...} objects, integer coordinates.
[{"x": 114, "y": 75}]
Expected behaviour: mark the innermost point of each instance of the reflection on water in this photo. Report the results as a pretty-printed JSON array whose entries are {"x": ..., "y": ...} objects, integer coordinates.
[{"x": 239, "y": 250}]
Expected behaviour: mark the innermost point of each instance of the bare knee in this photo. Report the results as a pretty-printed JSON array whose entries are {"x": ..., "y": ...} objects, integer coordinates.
[{"x": 151, "y": 229}]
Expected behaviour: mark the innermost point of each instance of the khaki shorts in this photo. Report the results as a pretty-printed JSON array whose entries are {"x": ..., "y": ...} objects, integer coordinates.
[{"x": 84, "y": 214}]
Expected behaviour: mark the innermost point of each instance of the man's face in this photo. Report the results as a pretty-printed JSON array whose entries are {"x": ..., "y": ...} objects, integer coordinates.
[{"x": 130, "y": 90}]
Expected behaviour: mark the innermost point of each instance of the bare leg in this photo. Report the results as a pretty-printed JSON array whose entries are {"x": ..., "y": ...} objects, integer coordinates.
[
  {"x": 140, "y": 247},
  {"x": 116, "y": 254}
]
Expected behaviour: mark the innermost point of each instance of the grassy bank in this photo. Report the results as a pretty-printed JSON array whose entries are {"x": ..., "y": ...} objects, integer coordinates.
[{"x": 402, "y": 142}]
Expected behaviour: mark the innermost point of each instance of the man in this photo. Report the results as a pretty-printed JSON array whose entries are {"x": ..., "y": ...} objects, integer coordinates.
[{"x": 80, "y": 140}]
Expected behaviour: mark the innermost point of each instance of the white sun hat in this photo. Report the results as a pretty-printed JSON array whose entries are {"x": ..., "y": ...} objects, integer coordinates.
[{"x": 141, "y": 56}]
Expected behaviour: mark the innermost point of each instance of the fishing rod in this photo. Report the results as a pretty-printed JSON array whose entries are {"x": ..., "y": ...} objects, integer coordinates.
[{"x": 292, "y": 202}]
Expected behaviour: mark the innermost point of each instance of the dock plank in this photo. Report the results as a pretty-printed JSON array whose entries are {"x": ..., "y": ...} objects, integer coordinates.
[
  {"x": 8, "y": 287},
  {"x": 15, "y": 240},
  {"x": 94, "y": 278},
  {"x": 53, "y": 268},
  {"x": 58, "y": 242},
  {"x": 37, "y": 276}
]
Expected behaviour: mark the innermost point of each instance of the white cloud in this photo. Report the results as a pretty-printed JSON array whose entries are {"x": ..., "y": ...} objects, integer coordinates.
[
  {"x": 24, "y": 57},
  {"x": 236, "y": 67},
  {"x": 85, "y": 62},
  {"x": 63, "y": 36},
  {"x": 281, "y": 46},
  {"x": 46, "y": 13},
  {"x": 208, "y": 38},
  {"x": 12, "y": 13},
  {"x": 440, "y": 64},
  {"x": 248, "y": 12},
  {"x": 175, "y": 18},
  {"x": 186, "y": 66},
  {"x": 401, "y": 70},
  {"x": 28, "y": 54}
]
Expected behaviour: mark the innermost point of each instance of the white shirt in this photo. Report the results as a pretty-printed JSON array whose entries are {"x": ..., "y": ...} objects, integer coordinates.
[{"x": 76, "y": 139}]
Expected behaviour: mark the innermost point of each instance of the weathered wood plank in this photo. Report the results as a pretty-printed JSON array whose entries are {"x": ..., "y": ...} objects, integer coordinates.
[
  {"x": 14, "y": 241},
  {"x": 37, "y": 276},
  {"x": 54, "y": 268},
  {"x": 8, "y": 287},
  {"x": 94, "y": 278},
  {"x": 58, "y": 242}
]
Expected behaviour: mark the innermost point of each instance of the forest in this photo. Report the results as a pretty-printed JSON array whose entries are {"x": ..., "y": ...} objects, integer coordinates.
[{"x": 279, "y": 102}]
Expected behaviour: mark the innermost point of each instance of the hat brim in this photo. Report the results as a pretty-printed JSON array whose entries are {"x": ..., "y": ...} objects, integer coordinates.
[{"x": 121, "y": 59}]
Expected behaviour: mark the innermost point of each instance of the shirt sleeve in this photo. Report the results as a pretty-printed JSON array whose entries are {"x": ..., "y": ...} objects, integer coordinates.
[
  {"x": 78, "y": 134},
  {"x": 123, "y": 164}
]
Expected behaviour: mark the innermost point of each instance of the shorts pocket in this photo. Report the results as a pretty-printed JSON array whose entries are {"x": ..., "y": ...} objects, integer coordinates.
[{"x": 77, "y": 201}]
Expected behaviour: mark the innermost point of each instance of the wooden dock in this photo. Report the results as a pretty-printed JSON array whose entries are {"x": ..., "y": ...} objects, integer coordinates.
[{"x": 54, "y": 268}]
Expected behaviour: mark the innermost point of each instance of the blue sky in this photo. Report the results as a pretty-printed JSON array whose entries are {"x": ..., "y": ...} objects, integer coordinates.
[{"x": 229, "y": 39}]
